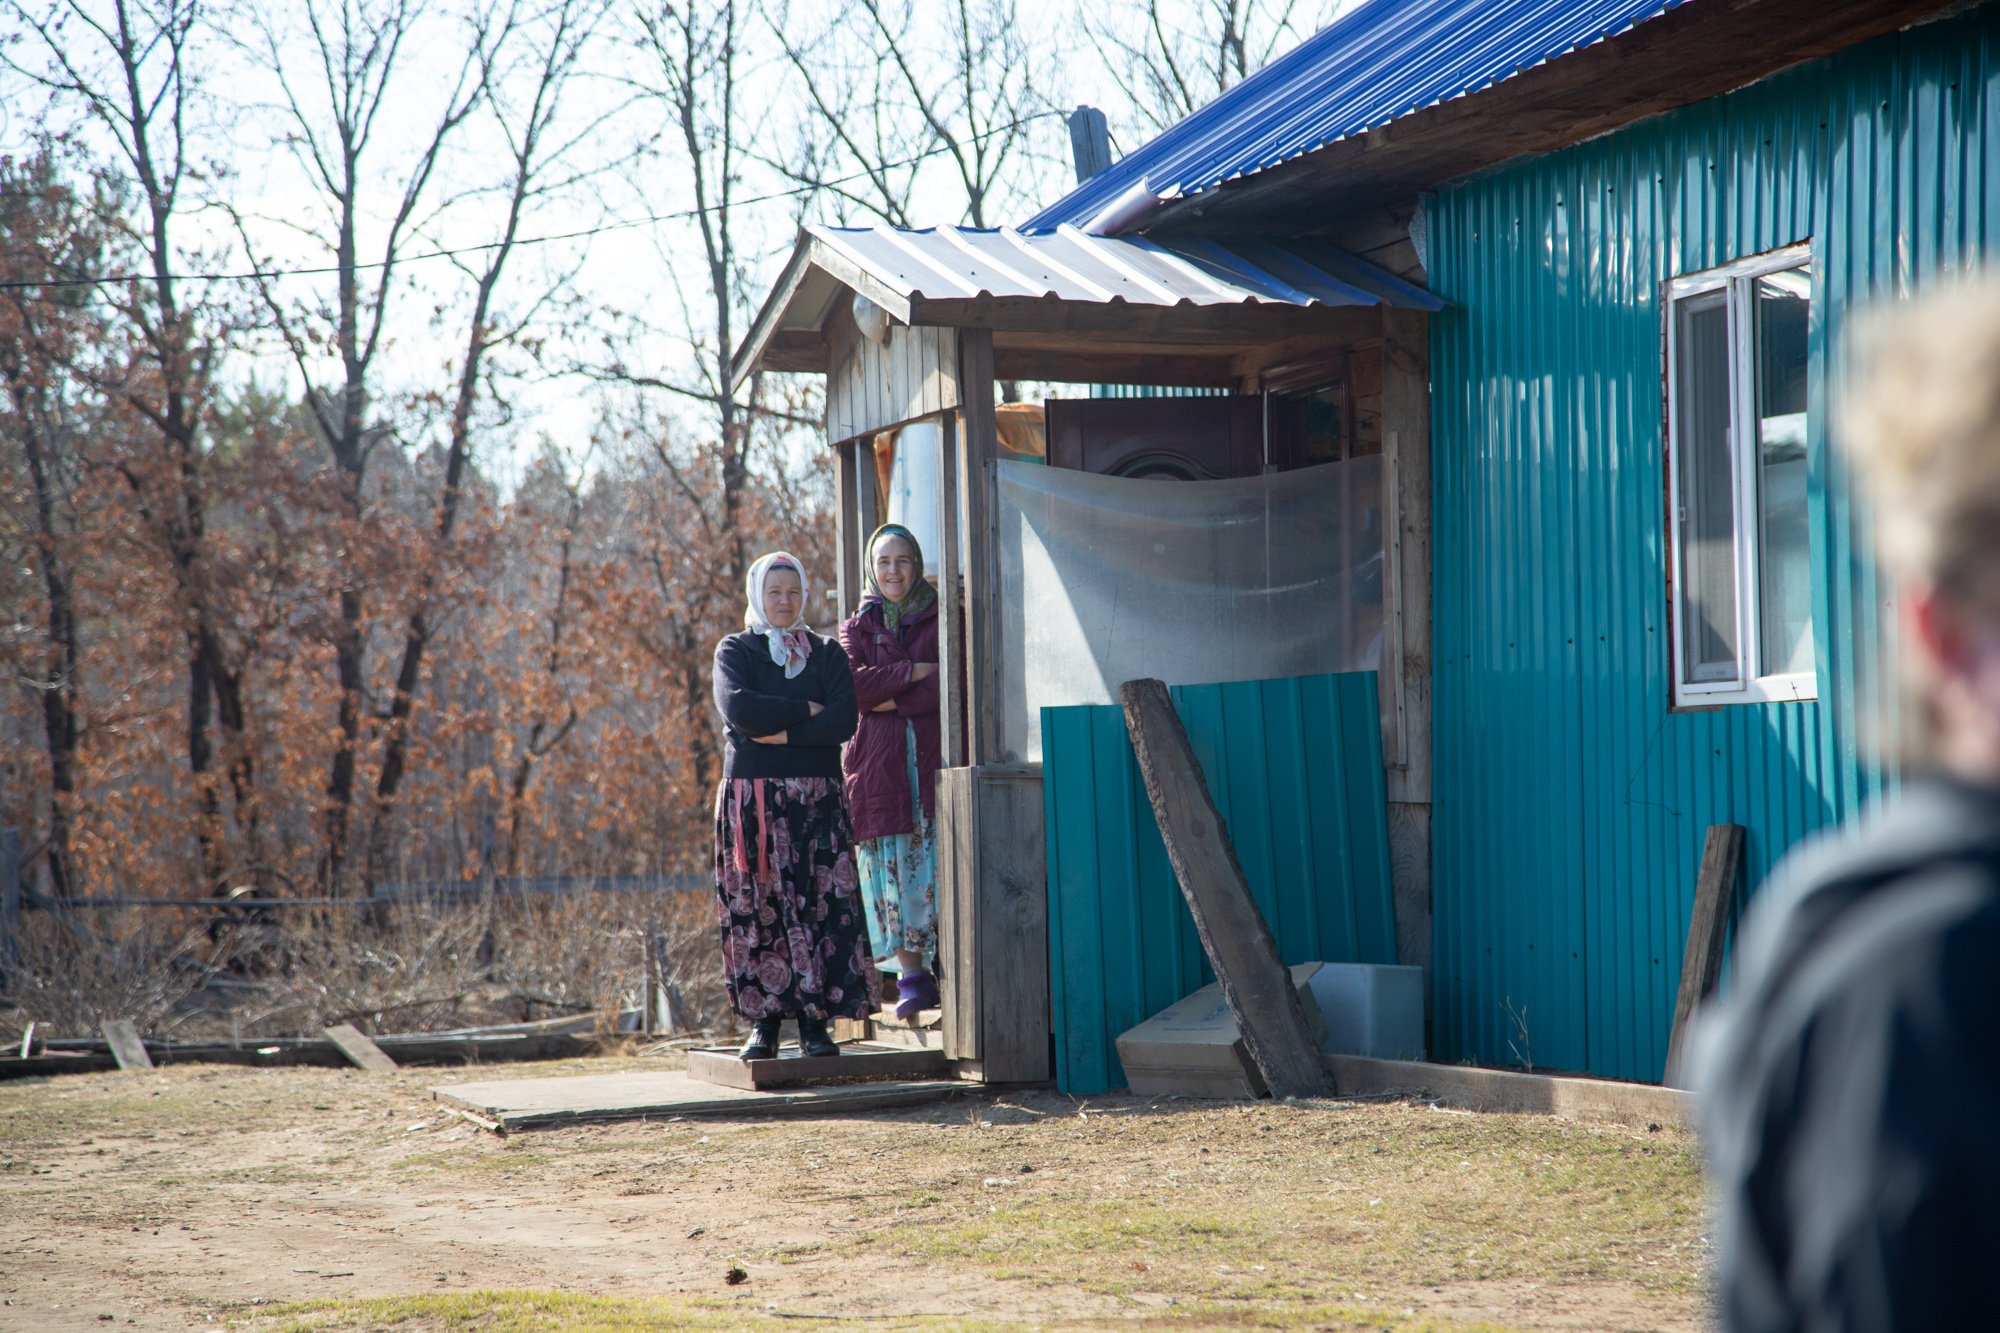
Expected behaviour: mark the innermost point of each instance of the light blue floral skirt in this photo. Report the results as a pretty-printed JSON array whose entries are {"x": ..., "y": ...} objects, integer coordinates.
[{"x": 899, "y": 882}]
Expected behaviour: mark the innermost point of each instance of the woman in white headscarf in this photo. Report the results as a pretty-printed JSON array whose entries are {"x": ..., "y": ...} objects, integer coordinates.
[{"x": 794, "y": 934}]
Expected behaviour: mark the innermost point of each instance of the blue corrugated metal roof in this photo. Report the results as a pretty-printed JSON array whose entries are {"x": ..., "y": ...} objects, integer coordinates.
[{"x": 1382, "y": 61}]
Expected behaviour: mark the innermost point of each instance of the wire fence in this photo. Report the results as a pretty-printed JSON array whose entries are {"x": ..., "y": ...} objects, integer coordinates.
[{"x": 16, "y": 899}]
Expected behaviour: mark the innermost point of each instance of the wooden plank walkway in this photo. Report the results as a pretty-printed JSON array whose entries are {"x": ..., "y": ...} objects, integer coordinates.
[{"x": 527, "y": 1103}]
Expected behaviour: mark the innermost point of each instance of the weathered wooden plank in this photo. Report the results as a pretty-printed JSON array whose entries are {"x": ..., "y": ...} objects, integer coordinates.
[
  {"x": 1472, "y": 1089},
  {"x": 952, "y": 672},
  {"x": 1233, "y": 933},
  {"x": 83, "y": 1055},
  {"x": 873, "y": 386},
  {"x": 982, "y": 567},
  {"x": 870, "y": 508},
  {"x": 1011, "y": 881},
  {"x": 677, "y": 1095},
  {"x": 1708, "y": 926},
  {"x": 351, "y": 1042},
  {"x": 958, "y": 915},
  {"x": 947, "y": 392},
  {"x": 907, "y": 348},
  {"x": 1410, "y": 882},
  {"x": 847, "y": 521},
  {"x": 126, "y": 1047},
  {"x": 1406, "y": 604}
]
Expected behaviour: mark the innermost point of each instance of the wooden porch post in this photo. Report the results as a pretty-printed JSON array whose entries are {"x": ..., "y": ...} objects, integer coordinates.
[
  {"x": 1406, "y": 625},
  {"x": 952, "y": 676},
  {"x": 982, "y": 570},
  {"x": 847, "y": 521}
]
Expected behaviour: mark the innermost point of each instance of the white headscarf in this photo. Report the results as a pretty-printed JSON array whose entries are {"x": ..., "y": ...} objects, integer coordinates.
[{"x": 791, "y": 644}]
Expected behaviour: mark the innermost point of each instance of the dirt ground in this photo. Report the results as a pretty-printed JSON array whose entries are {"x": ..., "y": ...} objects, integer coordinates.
[{"x": 210, "y": 1197}]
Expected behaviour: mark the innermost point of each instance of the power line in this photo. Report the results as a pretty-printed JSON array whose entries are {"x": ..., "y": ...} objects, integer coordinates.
[{"x": 258, "y": 275}]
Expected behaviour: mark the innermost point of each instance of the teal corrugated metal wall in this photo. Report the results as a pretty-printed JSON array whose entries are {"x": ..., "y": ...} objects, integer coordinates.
[
  {"x": 1295, "y": 767},
  {"x": 1570, "y": 803}
]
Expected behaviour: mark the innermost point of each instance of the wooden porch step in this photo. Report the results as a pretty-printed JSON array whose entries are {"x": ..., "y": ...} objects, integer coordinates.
[{"x": 857, "y": 1062}]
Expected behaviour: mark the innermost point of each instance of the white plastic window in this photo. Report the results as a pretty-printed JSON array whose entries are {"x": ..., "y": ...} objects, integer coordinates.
[{"x": 1737, "y": 420}]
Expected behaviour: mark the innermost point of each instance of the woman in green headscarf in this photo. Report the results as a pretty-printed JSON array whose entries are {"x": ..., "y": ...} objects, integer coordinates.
[{"x": 891, "y": 764}]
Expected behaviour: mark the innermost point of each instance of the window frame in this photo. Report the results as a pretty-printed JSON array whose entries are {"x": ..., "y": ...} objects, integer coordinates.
[{"x": 1737, "y": 279}]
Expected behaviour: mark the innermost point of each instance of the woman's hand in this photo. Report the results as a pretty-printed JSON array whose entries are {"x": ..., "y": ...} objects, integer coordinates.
[
  {"x": 817, "y": 708},
  {"x": 776, "y": 738},
  {"x": 886, "y": 706},
  {"x": 921, "y": 670}
]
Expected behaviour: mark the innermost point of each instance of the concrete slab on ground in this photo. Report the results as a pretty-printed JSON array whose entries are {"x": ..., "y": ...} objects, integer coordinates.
[
  {"x": 526, "y": 1103},
  {"x": 857, "y": 1061}
]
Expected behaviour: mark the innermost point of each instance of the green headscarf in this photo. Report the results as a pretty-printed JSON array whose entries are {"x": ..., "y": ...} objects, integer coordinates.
[{"x": 921, "y": 594}]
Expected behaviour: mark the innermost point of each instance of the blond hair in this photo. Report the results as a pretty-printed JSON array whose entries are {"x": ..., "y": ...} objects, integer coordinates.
[{"x": 1921, "y": 431}]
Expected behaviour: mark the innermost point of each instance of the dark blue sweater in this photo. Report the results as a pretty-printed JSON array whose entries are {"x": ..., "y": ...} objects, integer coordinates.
[{"x": 755, "y": 699}]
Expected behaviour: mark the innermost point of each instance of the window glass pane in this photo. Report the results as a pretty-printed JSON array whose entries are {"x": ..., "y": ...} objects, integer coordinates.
[
  {"x": 1784, "y": 564},
  {"x": 1707, "y": 515}
]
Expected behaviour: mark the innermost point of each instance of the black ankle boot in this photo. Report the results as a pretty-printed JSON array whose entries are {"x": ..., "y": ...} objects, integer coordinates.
[
  {"x": 763, "y": 1043},
  {"x": 814, "y": 1039}
]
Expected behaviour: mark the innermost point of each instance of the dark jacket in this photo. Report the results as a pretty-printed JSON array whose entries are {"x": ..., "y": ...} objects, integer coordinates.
[
  {"x": 877, "y": 763},
  {"x": 1850, "y": 1083},
  {"x": 755, "y": 699}
]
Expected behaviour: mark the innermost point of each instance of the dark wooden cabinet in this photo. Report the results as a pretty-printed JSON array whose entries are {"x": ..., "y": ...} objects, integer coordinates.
[
  {"x": 1184, "y": 438},
  {"x": 1207, "y": 439}
]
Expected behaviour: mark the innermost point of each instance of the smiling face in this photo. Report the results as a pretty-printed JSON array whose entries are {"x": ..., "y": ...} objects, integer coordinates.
[
  {"x": 895, "y": 568},
  {"x": 784, "y": 595}
]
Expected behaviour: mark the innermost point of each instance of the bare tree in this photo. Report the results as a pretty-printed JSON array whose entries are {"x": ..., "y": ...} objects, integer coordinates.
[
  {"x": 127, "y": 65},
  {"x": 1173, "y": 57},
  {"x": 547, "y": 154},
  {"x": 694, "y": 56},
  {"x": 336, "y": 80},
  {"x": 47, "y": 240},
  {"x": 546, "y": 732},
  {"x": 891, "y": 87}
]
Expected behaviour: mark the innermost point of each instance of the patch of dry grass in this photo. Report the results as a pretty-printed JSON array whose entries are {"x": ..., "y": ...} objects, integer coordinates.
[{"x": 1170, "y": 1213}]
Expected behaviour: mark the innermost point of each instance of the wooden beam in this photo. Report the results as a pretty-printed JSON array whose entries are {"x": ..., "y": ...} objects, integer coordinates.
[
  {"x": 1233, "y": 932},
  {"x": 1071, "y": 366},
  {"x": 982, "y": 567},
  {"x": 1701, "y": 961},
  {"x": 795, "y": 350},
  {"x": 1194, "y": 325},
  {"x": 1406, "y": 555},
  {"x": 951, "y": 599},
  {"x": 1012, "y": 887},
  {"x": 351, "y": 1042},
  {"x": 848, "y": 460},
  {"x": 958, "y": 911},
  {"x": 126, "y": 1047}
]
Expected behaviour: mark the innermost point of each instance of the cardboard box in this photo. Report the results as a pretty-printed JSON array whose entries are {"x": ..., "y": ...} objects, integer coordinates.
[{"x": 1192, "y": 1048}]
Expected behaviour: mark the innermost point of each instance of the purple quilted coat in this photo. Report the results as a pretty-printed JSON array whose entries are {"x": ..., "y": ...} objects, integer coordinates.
[{"x": 876, "y": 762}]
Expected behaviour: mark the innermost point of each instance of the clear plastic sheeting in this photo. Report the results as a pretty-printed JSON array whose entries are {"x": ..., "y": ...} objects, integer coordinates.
[{"x": 1106, "y": 579}]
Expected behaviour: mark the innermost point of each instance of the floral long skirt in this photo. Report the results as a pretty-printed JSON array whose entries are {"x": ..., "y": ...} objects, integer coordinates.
[
  {"x": 899, "y": 883},
  {"x": 794, "y": 935}
]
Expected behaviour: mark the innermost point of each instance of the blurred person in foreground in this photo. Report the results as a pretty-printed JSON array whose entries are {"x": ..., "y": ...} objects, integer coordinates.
[{"x": 1850, "y": 1081}]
